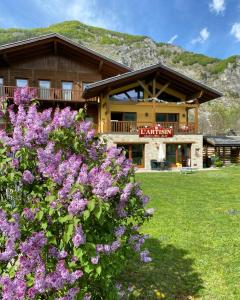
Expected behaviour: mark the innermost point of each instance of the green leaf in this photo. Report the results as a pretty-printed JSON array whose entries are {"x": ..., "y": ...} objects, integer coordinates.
[
  {"x": 44, "y": 225},
  {"x": 39, "y": 215},
  {"x": 98, "y": 270},
  {"x": 91, "y": 204},
  {"x": 78, "y": 253},
  {"x": 88, "y": 269},
  {"x": 68, "y": 233},
  {"x": 86, "y": 215},
  {"x": 65, "y": 219},
  {"x": 98, "y": 212}
]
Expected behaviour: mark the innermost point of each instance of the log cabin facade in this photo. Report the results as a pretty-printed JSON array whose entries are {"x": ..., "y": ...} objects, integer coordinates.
[{"x": 132, "y": 109}]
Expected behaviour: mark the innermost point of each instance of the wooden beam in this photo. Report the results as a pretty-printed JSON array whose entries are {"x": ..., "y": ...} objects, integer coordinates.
[
  {"x": 162, "y": 89},
  {"x": 195, "y": 96},
  {"x": 154, "y": 87},
  {"x": 100, "y": 66},
  {"x": 144, "y": 86}
]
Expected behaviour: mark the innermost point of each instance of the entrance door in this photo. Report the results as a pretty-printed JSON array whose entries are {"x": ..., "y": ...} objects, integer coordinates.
[
  {"x": 178, "y": 153},
  {"x": 135, "y": 152}
]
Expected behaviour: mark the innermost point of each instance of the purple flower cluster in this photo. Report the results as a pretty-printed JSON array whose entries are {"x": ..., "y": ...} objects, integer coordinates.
[
  {"x": 29, "y": 214},
  {"x": 119, "y": 231},
  {"x": 27, "y": 177},
  {"x": 63, "y": 118},
  {"x": 79, "y": 236},
  {"x": 23, "y": 95},
  {"x": 77, "y": 205},
  {"x": 144, "y": 256},
  {"x": 11, "y": 232},
  {"x": 103, "y": 184},
  {"x": 108, "y": 248}
]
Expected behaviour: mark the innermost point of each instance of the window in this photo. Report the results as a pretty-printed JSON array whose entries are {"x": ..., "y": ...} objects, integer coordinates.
[
  {"x": 67, "y": 90},
  {"x": 128, "y": 95},
  {"x": 124, "y": 116},
  {"x": 22, "y": 82},
  {"x": 44, "y": 86},
  {"x": 1, "y": 87},
  {"x": 163, "y": 117}
]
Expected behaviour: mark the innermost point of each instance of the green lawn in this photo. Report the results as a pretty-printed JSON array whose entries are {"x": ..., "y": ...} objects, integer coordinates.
[{"x": 194, "y": 236}]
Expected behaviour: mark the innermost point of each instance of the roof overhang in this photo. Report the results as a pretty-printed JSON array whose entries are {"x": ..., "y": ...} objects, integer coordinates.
[
  {"x": 56, "y": 43},
  {"x": 223, "y": 141},
  {"x": 177, "y": 81}
]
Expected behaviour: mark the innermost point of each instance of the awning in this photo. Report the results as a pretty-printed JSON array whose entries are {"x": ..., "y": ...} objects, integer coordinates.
[{"x": 222, "y": 141}]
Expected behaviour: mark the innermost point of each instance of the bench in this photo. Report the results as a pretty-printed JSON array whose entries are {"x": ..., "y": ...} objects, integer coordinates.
[{"x": 187, "y": 170}]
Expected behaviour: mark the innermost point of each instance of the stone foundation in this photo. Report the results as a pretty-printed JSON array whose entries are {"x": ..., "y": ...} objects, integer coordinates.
[{"x": 152, "y": 144}]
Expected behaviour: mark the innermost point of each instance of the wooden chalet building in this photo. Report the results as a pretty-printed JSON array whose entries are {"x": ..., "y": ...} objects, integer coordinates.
[{"x": 151, "y": 112}]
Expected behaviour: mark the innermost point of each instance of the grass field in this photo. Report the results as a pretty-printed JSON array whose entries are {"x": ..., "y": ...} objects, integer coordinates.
[{"x": 194, "y": 236}]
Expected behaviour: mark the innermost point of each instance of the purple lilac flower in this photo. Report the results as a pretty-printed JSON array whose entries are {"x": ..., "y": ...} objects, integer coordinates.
[
  {"x": 87, "y": 296},
  {"x": 115, "y": 245},
  {"x": 119, "y": 231},
  {"x": 144, "y": 256},
  {"x": 95, "y": 259},
  {"x": 27, "y": 177},
  {"x": 77, "y": 206},
  {"x": 79, "y": 236},
  {"x": 29, "y": 214},
  {"x": 23, "y": 95}
]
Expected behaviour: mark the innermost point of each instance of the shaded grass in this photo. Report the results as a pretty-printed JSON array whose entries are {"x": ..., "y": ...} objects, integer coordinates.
[{"x": 195, "y": 236}]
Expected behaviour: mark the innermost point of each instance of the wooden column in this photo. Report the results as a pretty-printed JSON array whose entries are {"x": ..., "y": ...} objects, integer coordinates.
[{"x": 196, "y": 119}]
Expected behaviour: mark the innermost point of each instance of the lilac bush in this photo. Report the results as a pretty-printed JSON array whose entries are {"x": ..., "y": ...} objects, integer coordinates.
[{"x": 70, "y": 207}]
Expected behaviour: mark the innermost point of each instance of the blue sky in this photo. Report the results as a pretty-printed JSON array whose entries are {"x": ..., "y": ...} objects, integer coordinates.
[{"x": 211, "y": 27}]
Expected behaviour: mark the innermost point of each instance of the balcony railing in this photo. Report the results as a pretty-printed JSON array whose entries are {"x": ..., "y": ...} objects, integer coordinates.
[
  {"x": 51, "y": 94},
  {"x": 132, "y": 127}
]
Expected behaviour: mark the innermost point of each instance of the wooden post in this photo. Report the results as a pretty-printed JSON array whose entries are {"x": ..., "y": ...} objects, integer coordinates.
[{"x": 196, "y": 119}]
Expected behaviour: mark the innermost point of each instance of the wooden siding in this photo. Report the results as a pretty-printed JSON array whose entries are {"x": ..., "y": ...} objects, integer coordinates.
[{"x": 55, "y": 68}]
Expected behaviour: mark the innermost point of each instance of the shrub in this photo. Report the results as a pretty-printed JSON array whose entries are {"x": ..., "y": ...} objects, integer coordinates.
[
  {"x": 218, "y": 162},
  {"x": 70, "y": 207}
]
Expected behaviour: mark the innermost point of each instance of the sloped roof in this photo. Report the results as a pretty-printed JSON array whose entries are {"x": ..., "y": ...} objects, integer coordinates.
[
  {"x": 16, "y": 49},
  {"x": 223, "y": 141},
  {"x": 178, "y": 81}
]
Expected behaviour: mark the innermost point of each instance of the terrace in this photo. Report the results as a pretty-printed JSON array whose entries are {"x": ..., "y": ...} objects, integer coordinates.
[{"x": 48, "y": 94}]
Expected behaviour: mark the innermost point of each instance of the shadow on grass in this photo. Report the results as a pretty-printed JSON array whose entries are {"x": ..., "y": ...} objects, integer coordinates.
[{"x": 170, "y": 272}]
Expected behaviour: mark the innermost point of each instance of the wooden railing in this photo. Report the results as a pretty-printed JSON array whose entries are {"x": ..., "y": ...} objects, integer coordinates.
[
  {"x": 51, "y": 94},
  {"x": 132, "y": 127}
]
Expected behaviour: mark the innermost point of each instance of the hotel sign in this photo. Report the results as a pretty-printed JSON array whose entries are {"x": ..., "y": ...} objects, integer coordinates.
[{"x": 155, "y": 131}]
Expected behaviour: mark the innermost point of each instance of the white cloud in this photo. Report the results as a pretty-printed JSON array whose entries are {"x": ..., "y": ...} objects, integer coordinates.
[
  {"x": 203, "y": 36},
  {"x": 172, "y": 39},
  {"x": 235, "y": 31},
  {"x": 217, "y": 6},
  {"x": 83, "y": 10}
]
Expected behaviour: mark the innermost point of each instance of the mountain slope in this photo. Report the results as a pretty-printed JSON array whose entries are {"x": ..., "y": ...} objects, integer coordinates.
[{"x": 138, "y": 51}]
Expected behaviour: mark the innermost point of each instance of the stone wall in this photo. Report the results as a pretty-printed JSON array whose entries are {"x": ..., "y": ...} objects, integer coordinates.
[{"x": 152, "y": 145}]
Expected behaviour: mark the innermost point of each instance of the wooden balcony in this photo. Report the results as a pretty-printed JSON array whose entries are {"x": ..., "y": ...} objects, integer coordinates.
[
  {"x": 52, "y": 94},
  {"x": 132, "y": 127}
]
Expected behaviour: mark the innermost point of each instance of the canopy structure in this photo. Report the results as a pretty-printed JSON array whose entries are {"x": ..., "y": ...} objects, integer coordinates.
[{"x": 227, "y": 148}]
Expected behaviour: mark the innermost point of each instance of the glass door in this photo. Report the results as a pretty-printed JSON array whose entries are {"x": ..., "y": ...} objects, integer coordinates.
[
  {"x": 135, "y": 152},
  {"x": 178, "y": 153},
  {"x": 67, "y": 87},
  {"x": 137, "y": 155},
  {"x": 44, "y": 86}
]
